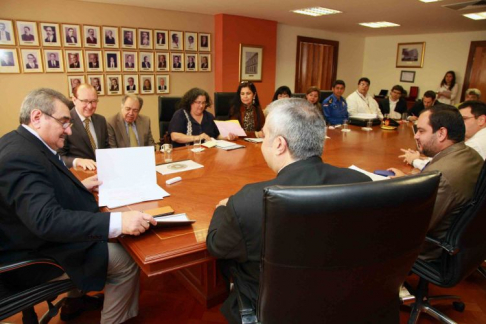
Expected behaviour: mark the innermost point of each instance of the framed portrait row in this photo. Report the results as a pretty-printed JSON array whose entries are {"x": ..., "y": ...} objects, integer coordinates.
[
  {"x": 118, "y": 84},
  {"x": 50, "y": 60},
  {"x": 46, "y": 34}
]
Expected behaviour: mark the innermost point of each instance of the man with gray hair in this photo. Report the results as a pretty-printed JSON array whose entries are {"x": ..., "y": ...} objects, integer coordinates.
[
  {"x": 128, "y": 128},
  {"x": 292, "y": 148}
]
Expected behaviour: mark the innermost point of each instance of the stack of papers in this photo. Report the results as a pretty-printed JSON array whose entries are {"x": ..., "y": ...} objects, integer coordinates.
[
  {"x": 254, "y": 140},
  {"x": 373, "y": 176},
  {"x": 227, "y": 146},
  {"x": 179, "y": 166}
]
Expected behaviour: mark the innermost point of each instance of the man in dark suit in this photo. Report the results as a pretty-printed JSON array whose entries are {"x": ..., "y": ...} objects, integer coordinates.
[
  {"x": 128, "y": 39},
  {"x": 4, "y": 35},
  {"x": 70, "y": 38},
  {"x": 74, "y": 61},
  {"x": 53, "y": 63},
  {"x": 91, "y": 39},
  {"x": 93, "y": 61},
  {"x": 50, "y": 35},
  {"x": 131, "y": 86},
  {"x": 394, "y": 105},
  {"x": 31, "y": 62},
  {"x": 88, "y": 131},
  {"x": 129, "y": 61},
  {"x": 177, "y": 63},
  {"x": 146, "y": 63},
  {"x": 48, "y": 212},
  {"x": 293, "y": 144},
  {"x": 191, "y": 64},
  {"x": 428, "y": 100},
  {"x": 109, "y": 39},
  {"x": 27, "y": 36},
  {"x": 162, "y": 62},
  {"x": 162, "y": 85}
]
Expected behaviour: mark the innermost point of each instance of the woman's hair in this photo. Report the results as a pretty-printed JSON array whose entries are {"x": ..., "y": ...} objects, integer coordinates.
[
  {"x": 191, "y": 96},
  {"x": 237, "y": 99},
  {"x": 282, "y": 90},
  {"x": 453, "y": 83},
  {"x": 312, "y": 89}
]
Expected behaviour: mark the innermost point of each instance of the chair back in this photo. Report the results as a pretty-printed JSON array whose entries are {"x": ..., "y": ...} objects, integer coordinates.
[
  {"x": 414, "y": 91},
  {"x": 222, "y": 104},
  {"x": 338, "y": 254},
  {"x": 167, "y": 108}
]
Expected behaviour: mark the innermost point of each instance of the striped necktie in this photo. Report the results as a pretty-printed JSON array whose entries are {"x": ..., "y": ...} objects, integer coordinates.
[
  {"x": 90, "y": 136},
  {"x": 131, "y": 135}
]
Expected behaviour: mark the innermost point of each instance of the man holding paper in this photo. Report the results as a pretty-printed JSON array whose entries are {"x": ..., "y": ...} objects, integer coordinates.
[{"x": 48, "y": 212}]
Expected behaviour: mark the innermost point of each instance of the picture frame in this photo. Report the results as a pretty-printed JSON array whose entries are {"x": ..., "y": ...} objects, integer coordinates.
[
  {"x": 161, "y": 39},
  {"x": 407, "y": 76},
  {"x": 91, "y": 36},
  {"x": 9, "y": 61},
  {"x": 97, "y": 81},
  {"x": 112, "y": 61},
  {"x": 147, "y": 84},
  {"x": 128, "y": 37},
  {"x": 50, "y": 35},
  {"x": 190, "y": 41},
  {"x": 204, "y": 42},
  {"x": 146, "y": 61},
  {"x": 161, "y": 61},
  {"x": 71, "y": 35},
  {"x": 191, "y": 62},
  {"x": 110, "y": 37},
  {"x": 176, "y": 40},
  {"x": 7, "y": 32},
  {"x": 27, "y": 33},
  {"x": 31, "y": 60},
  {"x": 164, "y": 87},
  {"x": 94, "y": 60},
  {"x": 177, "y": 62},
  {"x": 53, "y": 60},
  {"x": 113, "y": 84},
  {"x": 74, "y": 61},
  {"x": 130, "y": 84},
  {"x": 73, "y": 82},
  {"x": 205, "y": 62},
  {"x": 145, "y": 38},
  {"x": 251, "y": 62},
  {"x": 130, "y": 61},
  {"x": 410, "y": 55}
]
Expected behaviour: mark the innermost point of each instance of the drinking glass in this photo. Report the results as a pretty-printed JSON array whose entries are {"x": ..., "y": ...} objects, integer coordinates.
[
  {"x": 197, "y": 144},
  {"x": 167, "y": 152}
]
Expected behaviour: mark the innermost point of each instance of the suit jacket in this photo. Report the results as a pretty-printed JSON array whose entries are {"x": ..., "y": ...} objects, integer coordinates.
[
  {"x": 118, "y": 136},
  {"x": 68, "y": 39},
  {"x": 51, "y": 65},
  {"x": 134, "y": 87},
  {"x": 127, "y": 41},
  {"x": 94, "y": 65},
  {"x": 27, "y": 37},
  {"x": 177, "y": 65},
  {"x": 129, "y": 65},
  {"x": 75, "y": 65},
  {"x": 162, "y": 87},
  {"x": 36, "y": 66},
  {"x": 46, "y": 211},
  {"x": 109, "y": 40},
  {"x": 54, "y": 39},
  {"x": 204, "y": 65},
  {"x": 91, "y": 41},
  {"x": 191, "y": 65},
  {"x": 235, "y": 232},
  {"x": 77, "y": 144},
  {"x": 7, "y": 36},
  {"x": 401, "y": 106},
  {"x": 146, "y": 65},
  {"x": 163, "y": 64}
]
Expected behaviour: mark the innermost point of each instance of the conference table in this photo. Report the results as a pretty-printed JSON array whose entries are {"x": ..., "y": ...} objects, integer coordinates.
[{"x": 182, "y": 250}]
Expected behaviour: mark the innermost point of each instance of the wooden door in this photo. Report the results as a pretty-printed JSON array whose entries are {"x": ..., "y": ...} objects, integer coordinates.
[
  {"x": 475, "y": 76},
  {"x": 316, "y": 63}
]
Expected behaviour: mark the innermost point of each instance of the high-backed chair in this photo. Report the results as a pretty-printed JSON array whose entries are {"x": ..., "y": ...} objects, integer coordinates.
[
  {"x": 413, "y": 94},
  {"x": 167, "y": 108},
  {"x": 339, "y": 254},
  {"x": 323, "y": 94},
  {"x": 222, "y": 104},
  {"x": 464, "y": 250}
]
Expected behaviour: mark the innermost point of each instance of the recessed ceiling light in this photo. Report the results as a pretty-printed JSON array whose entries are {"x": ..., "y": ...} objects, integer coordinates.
[
  {"x": 427, "y": 1},
  {"x": 476, "y": 16},
  {"x": 316, "y": 11},
  {"x": 380, "y": 24}
]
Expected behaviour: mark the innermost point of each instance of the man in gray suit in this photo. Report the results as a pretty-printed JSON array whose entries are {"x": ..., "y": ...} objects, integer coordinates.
[
  {"x": 128, "y": 128},
  {"x": 88, "y": 131}
]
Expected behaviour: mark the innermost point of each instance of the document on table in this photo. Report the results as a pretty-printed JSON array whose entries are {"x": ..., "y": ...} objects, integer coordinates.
[
  {"x": 230, "y": 126},
  {"x": 364, "y": 116},
  {"x": 175, "y": 167},
  {"x": 373, "y": 176},
  {"x": 128, "y": 176}
]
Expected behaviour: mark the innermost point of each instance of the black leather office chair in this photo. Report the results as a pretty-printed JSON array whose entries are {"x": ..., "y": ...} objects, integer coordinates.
[
  {"x": 13, "y": 301},
  {"x": 167, "y": 108},
  {"x": 464, "y": 250},
  {"x": 339, "y": 254},
  {"x": 222, "y": 104}
]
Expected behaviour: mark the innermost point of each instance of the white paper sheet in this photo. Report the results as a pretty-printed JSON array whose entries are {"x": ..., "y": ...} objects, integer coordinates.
[
  {"x": 374, "y": 177},
  {"x": 364, "y": 116},
  {"x": 230, "y": 126},
  {"x": 128, "y": 176},
  {"x": 175, "y": 167}
]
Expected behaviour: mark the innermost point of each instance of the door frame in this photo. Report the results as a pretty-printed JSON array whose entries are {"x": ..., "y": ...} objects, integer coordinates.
[{"x": 467, "y": 75}]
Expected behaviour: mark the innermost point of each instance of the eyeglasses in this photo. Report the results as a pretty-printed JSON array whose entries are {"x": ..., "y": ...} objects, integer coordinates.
[
  {"x": 61, "y": 122},
  {"x": 133, "y": 110},
  {"x": 87, "y": 102},
  {"x": 203, "y": 103},
  {"x": 467, "y": 117}
]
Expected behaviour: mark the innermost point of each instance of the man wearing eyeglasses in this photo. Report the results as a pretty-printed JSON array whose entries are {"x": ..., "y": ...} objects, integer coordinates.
[
  {"x": 47, "y": 212},
  {"x": 128, "y": 128},
  {"x": 88, "y": 132}
]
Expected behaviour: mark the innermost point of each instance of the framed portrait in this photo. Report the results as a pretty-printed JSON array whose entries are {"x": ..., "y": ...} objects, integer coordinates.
[
  {"x": 130, "y": 61},
  {"x": 128, "y": 37},
  {"x": 31, "y": 60},
  {"x": 27, "y": 33},
  {"x": 204, "y": 42},
  {"x": 50, "y": 34},
  {"x": 71, "y": 35},
  {"x": 205, "y": 62},
  {"x": 94, "y": 60},
  {"x": 161, "y": 39},
  {"x": 407, "y": 76},
  {"x": 112, "y": 61},
  {"x": 146, "y": 61},
  {"x": 130, "y": 83},
  {"x": 147, "y": 84},
  {"x": 53, "y": 60},
  {"x": 110, "y": 37},
  {"x": 162, "y": 61},
  {"x": 410, "y": 55},
  {"x": 176, "y": 40},
  {"x": 74, "y": 60},
  {"x": 97, "y": 82},
  {"x": 7, "y": 34},
  {"x": 177, "y": 62},
  {"x": 113, "y": 84},
  {"x": 9, "y": 62},
  {"x": 163, "y": 84},
  {"x": 251, "y": 60},
  {"x": 73, "y": 82},
  {"x": 145, "y": 38},
  {"x": 191, "y": 62},
  {"x": 190, "y": 41},
  {"x": 92, "y": 36}
]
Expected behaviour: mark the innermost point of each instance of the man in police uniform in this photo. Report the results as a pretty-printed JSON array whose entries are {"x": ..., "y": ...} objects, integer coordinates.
[{"x": 334, "y": 107}]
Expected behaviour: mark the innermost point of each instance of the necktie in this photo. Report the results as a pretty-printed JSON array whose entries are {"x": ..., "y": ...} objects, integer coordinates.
[
  {"x": 59, "y": 157},
  {"x": 131, "y": 135},
  {"x": 90, "y": 136}
]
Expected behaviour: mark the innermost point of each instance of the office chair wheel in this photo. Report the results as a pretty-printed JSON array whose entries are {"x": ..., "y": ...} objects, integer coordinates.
[{"x": 459, "y": 306}]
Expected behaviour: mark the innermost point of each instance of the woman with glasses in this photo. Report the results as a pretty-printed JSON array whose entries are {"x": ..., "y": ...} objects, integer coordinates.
[
  {"x": 191, "y": 120},
  {"x": 246, "y": 109},
  {"x": 281, "y": 93}
]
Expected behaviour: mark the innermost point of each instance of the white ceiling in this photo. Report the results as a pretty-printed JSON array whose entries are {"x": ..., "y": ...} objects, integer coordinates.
[{"x": 415, "y": 17}]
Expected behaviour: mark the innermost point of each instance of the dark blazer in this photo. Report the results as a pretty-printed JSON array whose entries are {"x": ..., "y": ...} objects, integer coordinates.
[
  {"x": 77, "y": 144},
  {"x": 75, "y": 65},
  {"x": 54, "y": 39},
  {"x": 134, "y": 87},
  {"x": 94, "y": 64},
  {"x": 163, "y": 64},
  {"x": 68, "y": 39},
  {"x": 191, "y": 65},
  {"x": 109, "y": 40},
  {"x": 127, "y": 41},
  {"x": 55, "y": 65},
  {"x": 91, "y": 41},
  {"x": 27, "y": 37},
  {"x": 45, "y": 210},
  {"x": 177, "y": 65},
  {"x": 235, "y": 232},
  {"x": 117, "y": 132},
  {"x": 146, "y": 65},
  {"x": 7, "y": 36},
  {"x": 401, "y": 106},
  {"x": 27, "y": 66}
]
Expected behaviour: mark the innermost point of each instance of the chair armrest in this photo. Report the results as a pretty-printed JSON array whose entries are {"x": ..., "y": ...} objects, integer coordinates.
[
  {"x": 452, "y": 250},
  {"x": 247, "y": 312},
  {"x": 5, "y": 267}
]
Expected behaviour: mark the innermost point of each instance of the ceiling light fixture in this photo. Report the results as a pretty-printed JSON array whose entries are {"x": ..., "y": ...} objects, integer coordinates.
[
  {"x": 476, "y": 15},
  {"x": 316, "y": 11},
  {"x": 379, "y": 24}
]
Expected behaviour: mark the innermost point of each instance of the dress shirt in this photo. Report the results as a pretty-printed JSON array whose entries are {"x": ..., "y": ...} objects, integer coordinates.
[
  {"x": 357, "y": 103},
  {"x": 3, "y": 35},
  {"x": 134, "y": 127},
  {"x": 393, "y": 114}
]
